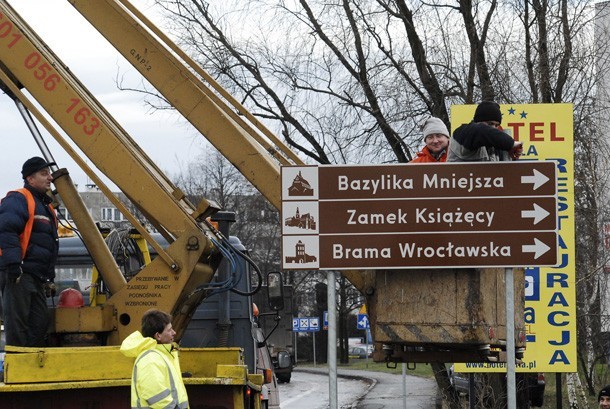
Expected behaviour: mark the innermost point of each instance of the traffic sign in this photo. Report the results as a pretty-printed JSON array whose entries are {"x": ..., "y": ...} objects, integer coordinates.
[
  {"x": 306, "y": 324},
  {"x": 500, "y": 214},
  {"x": 363, "y": 322}
]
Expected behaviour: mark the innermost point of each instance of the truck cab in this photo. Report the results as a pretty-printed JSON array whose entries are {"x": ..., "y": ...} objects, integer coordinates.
[{"x": 279, "y": 328}]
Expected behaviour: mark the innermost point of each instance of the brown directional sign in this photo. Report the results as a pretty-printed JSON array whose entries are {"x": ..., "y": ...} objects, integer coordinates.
[
  {"x": 438, "y": 250},
  {"x": 492, "y": 214},
  {"x": 479, "y": 179},
  {"x": 437, "y": 215}
]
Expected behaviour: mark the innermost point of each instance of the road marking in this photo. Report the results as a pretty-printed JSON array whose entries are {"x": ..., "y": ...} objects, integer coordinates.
[{"x": 295, "y": 398}]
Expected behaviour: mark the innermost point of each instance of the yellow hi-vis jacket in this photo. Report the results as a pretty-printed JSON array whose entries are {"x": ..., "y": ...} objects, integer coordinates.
[{"x": 156, "y": 381}]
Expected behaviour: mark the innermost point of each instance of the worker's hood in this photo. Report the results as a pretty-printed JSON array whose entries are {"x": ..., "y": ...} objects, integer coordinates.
[{"x": 135, "y": 344}]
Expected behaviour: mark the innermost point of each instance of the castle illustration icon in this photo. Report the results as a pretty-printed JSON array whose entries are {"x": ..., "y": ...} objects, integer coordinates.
[{"x": 301, "y": 221}]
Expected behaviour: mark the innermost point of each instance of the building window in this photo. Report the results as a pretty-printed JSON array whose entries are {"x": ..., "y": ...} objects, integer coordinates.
[{"x": 111, "y": 214}]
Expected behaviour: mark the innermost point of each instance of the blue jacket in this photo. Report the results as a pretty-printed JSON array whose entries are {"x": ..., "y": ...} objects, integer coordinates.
[{"x": 43, "y": 246}]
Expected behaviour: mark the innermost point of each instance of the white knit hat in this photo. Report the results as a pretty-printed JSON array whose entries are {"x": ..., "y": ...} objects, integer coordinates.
[{"x": 433, "y": 125}]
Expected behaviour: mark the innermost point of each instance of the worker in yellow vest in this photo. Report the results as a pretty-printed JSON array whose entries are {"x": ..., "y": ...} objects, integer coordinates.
[
  {"x": 28, "y": 251},
  {"x": 156, "y": 380}
]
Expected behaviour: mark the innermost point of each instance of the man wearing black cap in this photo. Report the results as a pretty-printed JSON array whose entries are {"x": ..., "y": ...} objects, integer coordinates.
[
  {"x": 604, "y": 397},
  {"x": 28, "y": 250},
  {"x": 483, "y": 139}
]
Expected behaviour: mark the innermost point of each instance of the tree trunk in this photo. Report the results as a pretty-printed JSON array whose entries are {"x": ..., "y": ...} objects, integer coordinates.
[{"x": 450, "y": 395}]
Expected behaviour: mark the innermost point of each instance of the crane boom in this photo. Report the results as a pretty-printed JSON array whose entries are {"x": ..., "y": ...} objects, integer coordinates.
[
  {"x": 169, "y": 70},
  {"x": 35, "y": 67},
  {"x": 27, "y": 62}
]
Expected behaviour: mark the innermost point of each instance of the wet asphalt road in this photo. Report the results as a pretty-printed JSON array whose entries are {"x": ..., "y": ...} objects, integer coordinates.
[{"x": 356, "y": 389}]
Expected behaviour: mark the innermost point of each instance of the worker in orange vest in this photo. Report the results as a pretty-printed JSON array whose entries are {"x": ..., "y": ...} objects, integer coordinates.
[
  {"x": 436, "y": 138},
  {"x": 28, "y": 251}
]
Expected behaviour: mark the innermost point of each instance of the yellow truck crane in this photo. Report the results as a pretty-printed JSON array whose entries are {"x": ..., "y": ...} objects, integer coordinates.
[
  {"x": 449, "y": 315},
  {"x": 87, "y": 368}
]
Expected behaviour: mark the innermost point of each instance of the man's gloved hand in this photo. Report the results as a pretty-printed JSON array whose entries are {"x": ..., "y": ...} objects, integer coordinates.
[
  {"x": 13, "y": 272},
  {"x": 49, "y": 289}
]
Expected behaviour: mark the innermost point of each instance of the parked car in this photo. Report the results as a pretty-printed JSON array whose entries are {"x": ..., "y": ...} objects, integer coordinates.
[
  {"x": 282, "y": 364},
  {"x": 459, "y": 381},
  {"x": 357, "y": 352}
]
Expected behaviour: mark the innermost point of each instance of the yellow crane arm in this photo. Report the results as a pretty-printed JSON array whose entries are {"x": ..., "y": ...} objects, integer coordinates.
[
  {"x": 171, "y": 286},
  {"x": 107, "y": 145},
  {"x": 257, "y": 154},
  {"x": 251, "y": 147}
]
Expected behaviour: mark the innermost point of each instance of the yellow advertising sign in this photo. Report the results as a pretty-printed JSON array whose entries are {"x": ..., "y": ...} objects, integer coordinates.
[{"x": 547, "y": 133}]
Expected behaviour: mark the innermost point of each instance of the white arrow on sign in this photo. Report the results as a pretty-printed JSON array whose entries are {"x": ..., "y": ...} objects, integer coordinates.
[
  {"x": 538, "y": 248},
  {"x": 363, "y": 322},
  {"x": 538, "y": 179},
  {"x": 537, "y": 214}
]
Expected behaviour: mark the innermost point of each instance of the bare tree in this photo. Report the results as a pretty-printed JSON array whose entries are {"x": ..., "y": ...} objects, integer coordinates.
[{"x": 346, "y": 81}]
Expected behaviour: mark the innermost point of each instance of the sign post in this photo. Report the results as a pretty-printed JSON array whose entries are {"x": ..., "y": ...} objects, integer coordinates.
[
  {"x": 511, "y": 384},
  {"x": 331, "y": 300},
  {"x": 307, "y": 324},
  {"x": 362, "y": 322}
]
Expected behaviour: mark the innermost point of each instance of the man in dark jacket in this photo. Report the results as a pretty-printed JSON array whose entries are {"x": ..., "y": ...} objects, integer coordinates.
[
  {"x": 28, "y": 250},
  {"x": 483, "y": 139},
  {"x": 603, "y": 397}
]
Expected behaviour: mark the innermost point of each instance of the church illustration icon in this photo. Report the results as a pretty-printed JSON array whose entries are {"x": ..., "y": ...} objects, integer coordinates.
[{"x": 300, "y": 186}]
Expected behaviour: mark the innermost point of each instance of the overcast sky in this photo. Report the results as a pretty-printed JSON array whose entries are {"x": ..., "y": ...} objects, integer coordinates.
[{"x": 168, "y": 139}]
